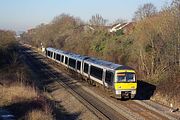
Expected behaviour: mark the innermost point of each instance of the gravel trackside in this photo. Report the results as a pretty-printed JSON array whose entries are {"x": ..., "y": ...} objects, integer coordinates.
[{"x": 70, "y": 104}]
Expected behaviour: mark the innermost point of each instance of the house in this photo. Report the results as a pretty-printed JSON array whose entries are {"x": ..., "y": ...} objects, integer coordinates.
[{"x": 125, "y": 27}]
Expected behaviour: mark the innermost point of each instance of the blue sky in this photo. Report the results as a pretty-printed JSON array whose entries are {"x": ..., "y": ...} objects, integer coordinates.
[{"x": 25, "y": 14}]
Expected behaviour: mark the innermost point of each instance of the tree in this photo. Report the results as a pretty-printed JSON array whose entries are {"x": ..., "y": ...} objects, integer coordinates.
[
  {"x": 175, "y": 5},
  {"x": 97, "y": 20},
  {"x": 147, "y": 10},
  {"x": 119, "y": 21},
  {"x": 6, "y": 38}
]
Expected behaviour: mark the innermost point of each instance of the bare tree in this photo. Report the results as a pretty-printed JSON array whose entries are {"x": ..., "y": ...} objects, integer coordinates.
[
  {"x": 97, "y": 20},
  {"x": 147, "y": 10},
  {"x": 175, "y": 5},
  {"x": 119, "y": 21}
]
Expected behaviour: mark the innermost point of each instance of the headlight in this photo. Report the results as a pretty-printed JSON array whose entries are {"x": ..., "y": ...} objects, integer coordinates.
[
  {"x": 118, "y": 92},
  {"x": 133, "y": 92}
]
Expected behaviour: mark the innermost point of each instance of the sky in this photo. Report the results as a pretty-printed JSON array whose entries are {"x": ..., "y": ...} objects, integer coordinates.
[{"x": 21, "y": 15}]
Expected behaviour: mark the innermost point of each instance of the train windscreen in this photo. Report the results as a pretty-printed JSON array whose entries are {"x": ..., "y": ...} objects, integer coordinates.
[{"x": 126, "y": 77}]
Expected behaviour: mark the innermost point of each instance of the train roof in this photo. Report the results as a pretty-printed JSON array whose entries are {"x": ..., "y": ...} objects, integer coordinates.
[
  {"x": 56, "y": 50},
  {"x": 78, "y": 56},
  {"x": 70, "y": 54},
  {"x": 103, "y": 63},
  {"x": 108, "y": 64},
  {"x": 95, "y": 61}
]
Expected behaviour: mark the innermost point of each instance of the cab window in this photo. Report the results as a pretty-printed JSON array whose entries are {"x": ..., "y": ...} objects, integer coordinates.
[
  {"x": 121, "y": 77},
  {"x": 125, "y": 77},
  {"x": 130, "y": 77}
]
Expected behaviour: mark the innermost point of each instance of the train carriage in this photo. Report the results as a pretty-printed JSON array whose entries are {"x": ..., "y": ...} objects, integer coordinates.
[
  {"x": 76, "y": 62},
  {"x": 57, "y": 55},
  {"x": 120, "y": 79}
]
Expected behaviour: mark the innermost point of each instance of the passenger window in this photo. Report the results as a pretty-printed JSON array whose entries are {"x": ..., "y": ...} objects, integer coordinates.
[
  {"x": 62, "y": 59},
  {"x": 109, "y": 77},
  {"x": 86, "y": 67},
  {"x": 58, "y": 57},
  {"x": 66, "y": 60},
  {"x": 96, "y": 72},
  {"x": 54, "y": 55},
  {"x": 78, "y": 65},
  {"x": 51, "y": 53},
  {"x": 72, "y": 62}
]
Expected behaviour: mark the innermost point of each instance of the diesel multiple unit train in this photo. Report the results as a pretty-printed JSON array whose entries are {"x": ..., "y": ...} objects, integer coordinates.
[{"x": 119, "y": 79}]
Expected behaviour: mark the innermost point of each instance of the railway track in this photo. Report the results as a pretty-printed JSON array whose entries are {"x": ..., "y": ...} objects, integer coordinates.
[
  {"x": 105, "y": 107},
  {"x": 101, "y": 110}
]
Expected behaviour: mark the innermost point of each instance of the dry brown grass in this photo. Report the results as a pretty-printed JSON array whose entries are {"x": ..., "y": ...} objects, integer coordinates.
[
  {"x": 31, "y": 104},
  {"x": 39, "y": 115},
  {"x": 167, "y": 99},
  {"x": 16, "y": 93}
]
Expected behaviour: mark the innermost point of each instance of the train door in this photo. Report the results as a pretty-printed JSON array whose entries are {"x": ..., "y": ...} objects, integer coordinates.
[
  {"x": 103, "y": 77},
  {"x": 109, "y": 78}
]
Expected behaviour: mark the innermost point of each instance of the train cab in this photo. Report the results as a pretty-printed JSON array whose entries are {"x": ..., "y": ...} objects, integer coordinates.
[{"x": 125, "y": 83}]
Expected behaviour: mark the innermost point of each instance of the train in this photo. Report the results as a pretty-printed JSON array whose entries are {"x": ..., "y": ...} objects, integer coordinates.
[{"x": 119, "y": 79}]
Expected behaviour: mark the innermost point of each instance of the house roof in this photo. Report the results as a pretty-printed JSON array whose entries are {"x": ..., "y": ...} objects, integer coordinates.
[{"x": 119, "y": 26}]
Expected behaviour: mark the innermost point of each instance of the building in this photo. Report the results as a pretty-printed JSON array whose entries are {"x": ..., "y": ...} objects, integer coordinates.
[{"x": 125, "y": 27}]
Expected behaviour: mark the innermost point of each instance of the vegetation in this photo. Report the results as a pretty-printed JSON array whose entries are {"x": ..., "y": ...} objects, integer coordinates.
[
  {"x": 152, "y": 48},
  {"x": 147, "y": 10},
  {"x": 18, "y": 94},
  {"x": 97, "y": 20}
]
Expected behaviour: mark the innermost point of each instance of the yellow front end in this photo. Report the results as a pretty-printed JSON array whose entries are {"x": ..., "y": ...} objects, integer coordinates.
[{"x": 125, "y": 88}]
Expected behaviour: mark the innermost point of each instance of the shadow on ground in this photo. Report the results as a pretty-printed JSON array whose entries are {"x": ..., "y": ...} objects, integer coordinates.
[
  {"x": 144, "y": 90},
  {"x": 21, "y": 109},
  {"x": 47, "y": 76},
  {"x": 43, "y": 75}
]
